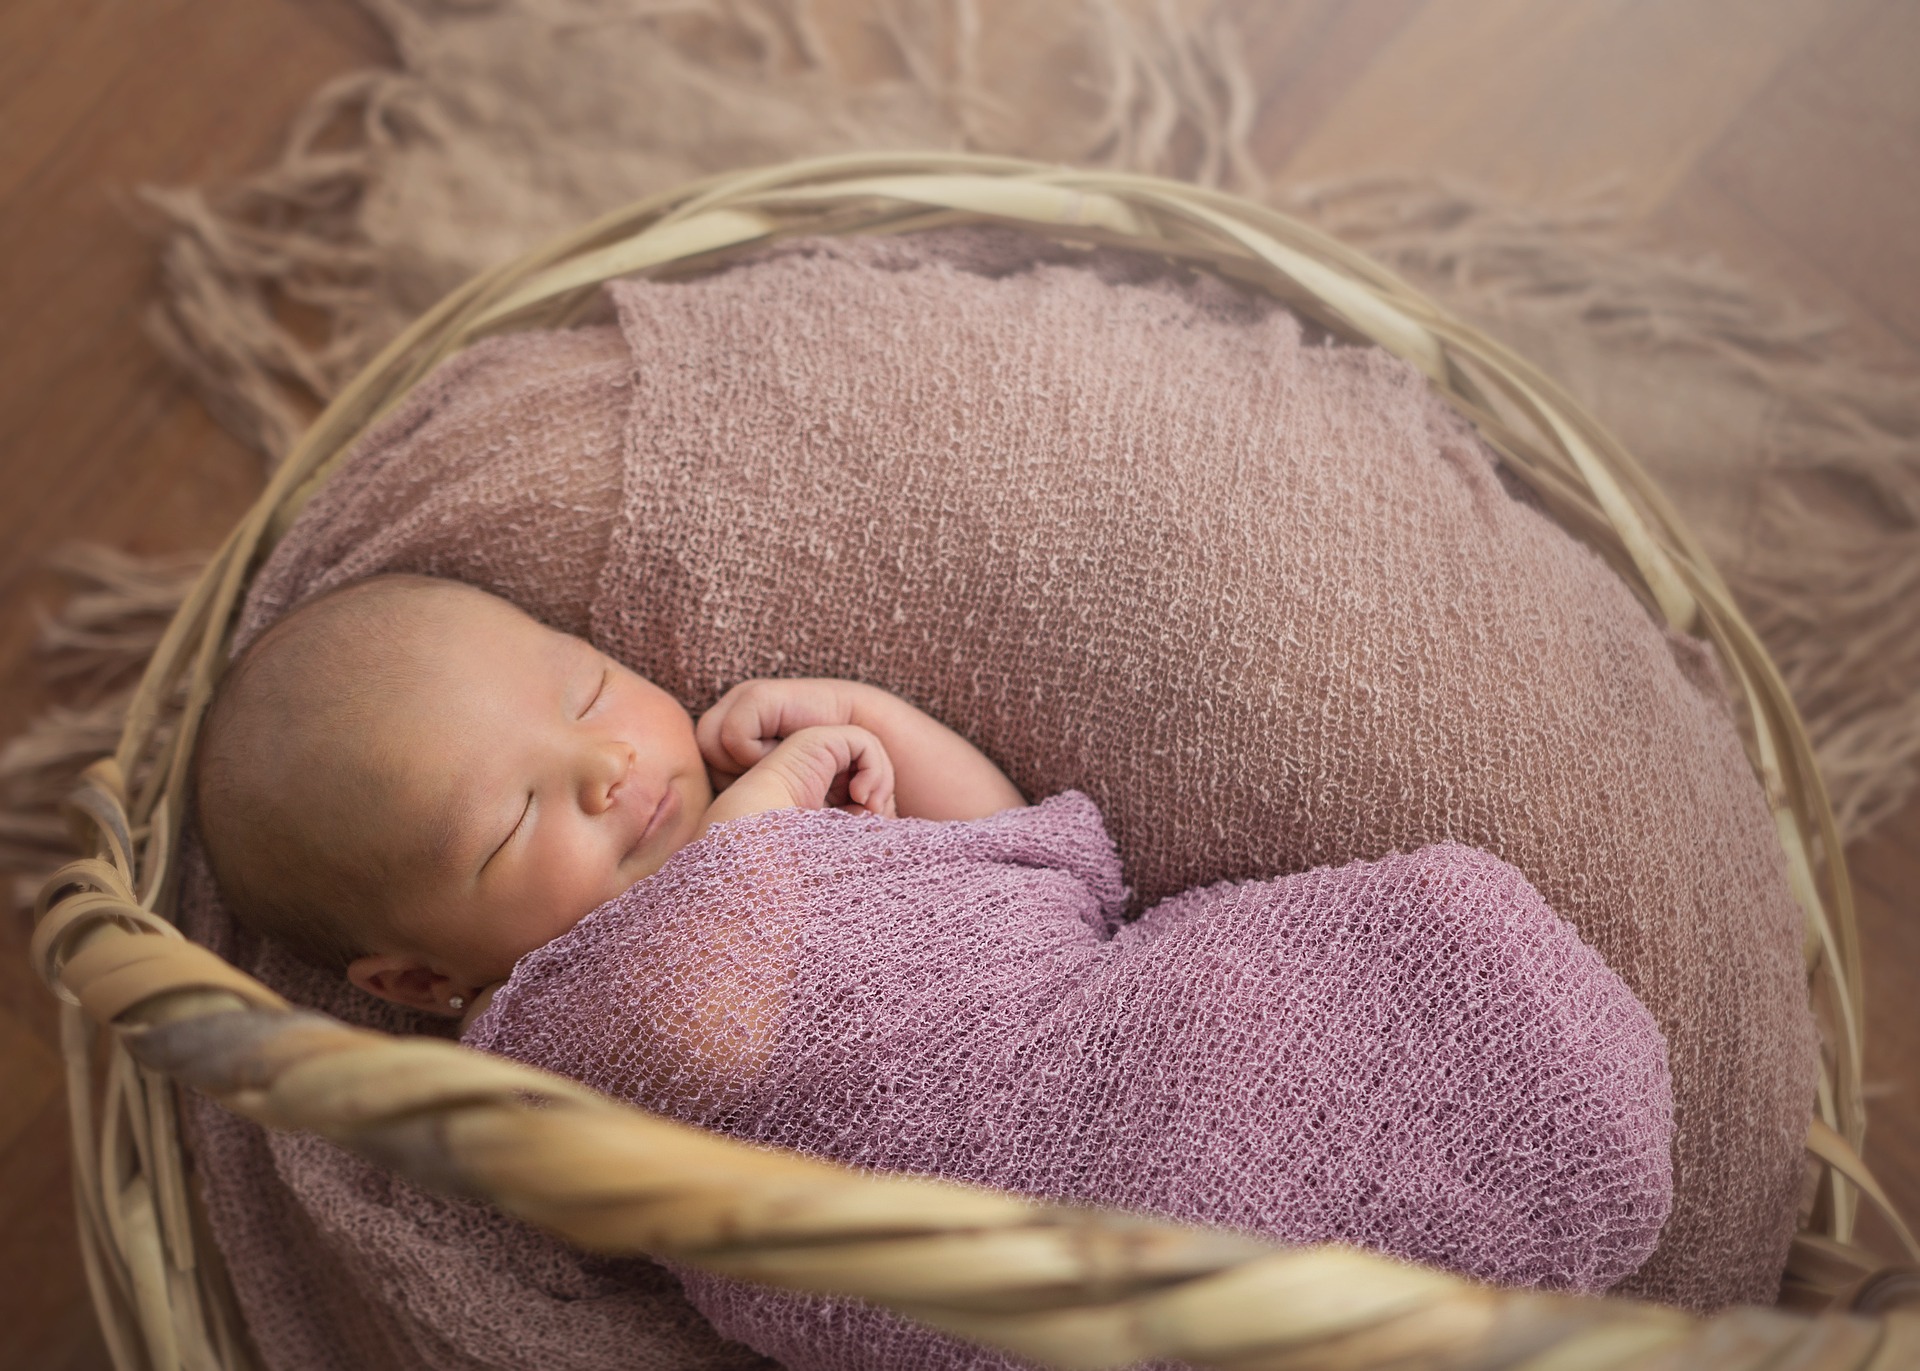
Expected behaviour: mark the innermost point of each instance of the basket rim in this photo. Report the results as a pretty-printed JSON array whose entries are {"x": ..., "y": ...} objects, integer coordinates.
[{"x": 106, "y": 946}]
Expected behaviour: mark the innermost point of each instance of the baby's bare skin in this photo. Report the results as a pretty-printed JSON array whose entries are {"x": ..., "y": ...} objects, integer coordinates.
[
  {"x": 933, "y": 771},
  {"x": 552, "y": 778},
  {"x": 813, "y": 768}
]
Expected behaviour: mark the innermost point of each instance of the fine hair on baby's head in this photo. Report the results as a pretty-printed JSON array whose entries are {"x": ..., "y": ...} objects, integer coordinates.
[{"x": 295, "y": 780}]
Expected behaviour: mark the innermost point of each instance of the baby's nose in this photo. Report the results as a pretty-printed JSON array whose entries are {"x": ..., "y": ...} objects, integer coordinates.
[{"x": 609, "y": 767}]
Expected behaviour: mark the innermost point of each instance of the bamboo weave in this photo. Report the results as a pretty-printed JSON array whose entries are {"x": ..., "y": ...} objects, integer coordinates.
[{"x": 1067, "y": 1287}]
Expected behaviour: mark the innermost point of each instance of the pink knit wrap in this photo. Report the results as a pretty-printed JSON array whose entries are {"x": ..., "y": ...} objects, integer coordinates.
[
  {"x": 1415, "y": 1056},
  {"x": 1264, "y": 600}
]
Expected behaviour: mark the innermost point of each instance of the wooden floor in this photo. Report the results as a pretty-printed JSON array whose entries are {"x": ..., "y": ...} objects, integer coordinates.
[{"x": 1783, "y": 135}]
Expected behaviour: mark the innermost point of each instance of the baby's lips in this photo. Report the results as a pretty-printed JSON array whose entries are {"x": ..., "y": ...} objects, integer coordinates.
[{"x": 663, "y": 811}]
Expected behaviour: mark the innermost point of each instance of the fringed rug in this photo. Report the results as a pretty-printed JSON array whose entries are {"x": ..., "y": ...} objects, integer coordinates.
[{"x": 507, "y": 122}]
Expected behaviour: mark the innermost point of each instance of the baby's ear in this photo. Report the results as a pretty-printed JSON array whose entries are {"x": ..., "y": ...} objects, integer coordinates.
[{"x": 406, "y": 982}]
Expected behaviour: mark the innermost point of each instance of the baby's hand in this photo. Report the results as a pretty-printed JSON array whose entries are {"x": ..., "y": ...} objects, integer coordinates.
[
  {"x": 838, "y": 765},
  {"x": 842, "y": 765},
  {"x": 940, "y": 775},
  {"x": 747, "y": 723}
]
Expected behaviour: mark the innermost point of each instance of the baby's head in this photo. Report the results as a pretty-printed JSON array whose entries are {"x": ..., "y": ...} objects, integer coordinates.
[{"x": 413, "y": 782}]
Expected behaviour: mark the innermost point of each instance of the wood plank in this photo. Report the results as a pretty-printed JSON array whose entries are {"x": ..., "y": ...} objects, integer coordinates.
[
  {"x": 75, "y": 273},
  {"x": 1828, "y": 157},
  {"x": 91, "y": 64},
  {"x": 145, "y": 469},
  {"x": 1304, "y": 56},
  {"x": 1544, "y": 101},
  {"x": 50, "y": 1324},
  {"x": 30, "y": 1076}
]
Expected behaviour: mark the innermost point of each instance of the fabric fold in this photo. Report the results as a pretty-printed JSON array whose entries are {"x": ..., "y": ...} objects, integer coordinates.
[{"x": 1416, "y": 1056}]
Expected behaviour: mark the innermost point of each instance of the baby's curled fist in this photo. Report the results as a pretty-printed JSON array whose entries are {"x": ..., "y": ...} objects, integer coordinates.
[
  {"x": 878, "y": 753},
  {"x": 747, "y": 723},
  {"x": 839, "y": 765},
  {"x": 842, "y": 766}
]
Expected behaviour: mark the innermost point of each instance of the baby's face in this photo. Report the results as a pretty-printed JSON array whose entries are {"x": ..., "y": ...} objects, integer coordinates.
[{"x": 549, "y": 778}]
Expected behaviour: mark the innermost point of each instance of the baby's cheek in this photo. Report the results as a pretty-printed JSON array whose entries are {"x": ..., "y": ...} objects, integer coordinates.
[{"x": 562, "y": 888}]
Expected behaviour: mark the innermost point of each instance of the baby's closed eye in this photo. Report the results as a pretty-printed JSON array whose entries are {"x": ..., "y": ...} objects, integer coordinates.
[
  {"x": 526, "y": 811},
  {"x": 599, "y": 691}
]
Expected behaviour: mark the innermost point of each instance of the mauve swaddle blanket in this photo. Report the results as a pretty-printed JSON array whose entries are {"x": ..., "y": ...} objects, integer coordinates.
[
  {"x": 1415, "y": 1055},
  {"x": 1264, "y": 601}
]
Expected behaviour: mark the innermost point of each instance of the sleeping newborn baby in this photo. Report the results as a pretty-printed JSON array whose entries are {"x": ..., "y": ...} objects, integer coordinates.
[
  {"x": 413, "y": 782},
  {"x": 820, "y": 919}
]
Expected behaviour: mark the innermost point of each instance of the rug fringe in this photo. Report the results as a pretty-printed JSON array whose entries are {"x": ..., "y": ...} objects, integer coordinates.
[
  {"x": 228, "y": 258},
  {"x": 92, "y": 648}
]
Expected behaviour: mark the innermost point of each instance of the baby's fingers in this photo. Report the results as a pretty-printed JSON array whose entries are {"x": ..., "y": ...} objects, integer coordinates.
[
  {"x": 871, "y": 785},
  {"x": 732, "y": 736},
  {"x": 885, "y": 810}
]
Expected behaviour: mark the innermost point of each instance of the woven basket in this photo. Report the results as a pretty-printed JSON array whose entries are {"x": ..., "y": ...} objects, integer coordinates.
[{"x": 1062, "y": 1286}]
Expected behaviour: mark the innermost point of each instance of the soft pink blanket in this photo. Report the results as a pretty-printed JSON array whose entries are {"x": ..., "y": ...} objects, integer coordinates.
[
  {"x": 1414, "y": 1055},
  {"x": 1133, "y": 533}
]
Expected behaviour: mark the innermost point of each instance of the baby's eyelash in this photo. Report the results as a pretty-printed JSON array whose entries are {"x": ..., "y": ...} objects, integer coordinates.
[
  {"x": 528, "y": 809},
  {"x": 605, "y": 676}
]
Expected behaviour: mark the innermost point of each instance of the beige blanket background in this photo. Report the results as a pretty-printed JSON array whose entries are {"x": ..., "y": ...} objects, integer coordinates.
[{"x": 506, "y": 121}]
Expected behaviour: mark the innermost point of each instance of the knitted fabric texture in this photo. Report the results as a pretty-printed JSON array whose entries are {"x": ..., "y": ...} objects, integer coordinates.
[
  {"x": 1264, "y": 600},
  {"x": 1415, "y": 1056}
]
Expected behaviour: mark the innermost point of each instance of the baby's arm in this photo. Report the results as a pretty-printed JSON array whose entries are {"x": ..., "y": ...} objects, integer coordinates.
[
  {"x": 800, "y": 773},
  {"x": 937, "y": 773}
]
